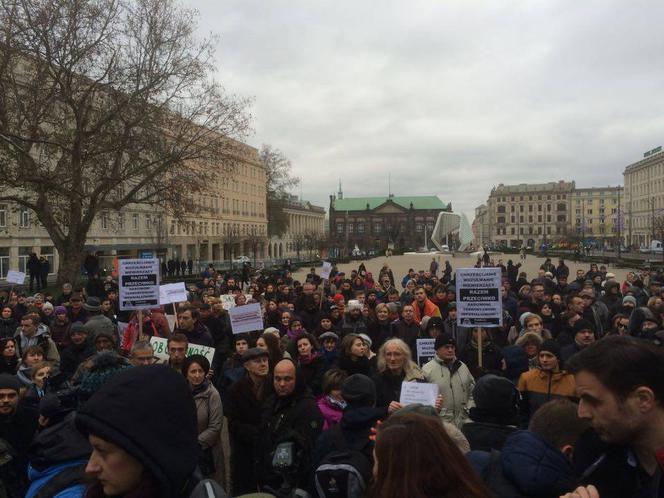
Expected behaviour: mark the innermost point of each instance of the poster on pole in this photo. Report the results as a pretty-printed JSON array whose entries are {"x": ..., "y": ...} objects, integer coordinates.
[
  {"x": 246, "y": 318},
  {"x": 479, "y": 301},
  {"x": 15, "y": 277},
  {"x": 326, "y": 270},
  {"x": 172, "y": 293},
  {"x": 139, "y": 283},
  {"x": 425, "y": 351}
]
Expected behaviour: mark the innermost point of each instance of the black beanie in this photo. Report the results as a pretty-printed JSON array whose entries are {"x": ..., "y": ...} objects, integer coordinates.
[
  {"x": 444, "y": 339},
  {"x": 551, "y": 346},
  {"x": 496, "y": 399},
  {"x": 582, "y": 324},
  {"x": 359, "y": 390},
  {"x": 149, "y": 412},
  {"x": 8, "y": 381}
]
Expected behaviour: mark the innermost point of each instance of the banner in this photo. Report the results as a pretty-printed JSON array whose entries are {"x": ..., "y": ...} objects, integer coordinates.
[
  {"x": 15, "y": 277},
  {"x": 160, "y": 347},
  {"x": 139, "y": 284},
  {"x": 479, "y": 300},
  {"x": 246, "y": 318}
]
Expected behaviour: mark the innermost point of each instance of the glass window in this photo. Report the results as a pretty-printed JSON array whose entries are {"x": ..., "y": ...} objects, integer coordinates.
[
  {"x": 135, "y": 221},
  {"x": 23, "y": 255},
  {"x": 340, "y": 228},
  {"x": 24, "y": 218},
  {"x": 3, "y": 215},
  {"x": 350, "y": 228},
  {"x": 360, "y": 228},
  {"x": 378, "y": 228},
  {"x": 4, "y": 261}
]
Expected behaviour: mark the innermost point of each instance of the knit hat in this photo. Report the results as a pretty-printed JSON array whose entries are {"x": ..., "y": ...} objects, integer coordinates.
[
  {"x": 522, "y": 318},
  {"x": 358, "y": 390},
  {"x": 444, "y": 339},
  {"x": 366, "y": 339},
  {"x": 551, "y": 346},
  {"x": 8, "y": 381},
  {"x": 60, "y": 310},
  {"x": 629, "y": 300},
  {"x": 582, "y": 324},
  {"x": 435, "y": 323},
  {"x": 496, "y": 400},
  {"x": 77, "y": 327},
  {"x": 128, "y": 412},
  {"x": 99, "y": 369},
  {"x": 328, "y": 335},
  {"x": 47, "y": 306},
  {"x": 271, "y": 330},
  {"x": 353, "y": 304}
]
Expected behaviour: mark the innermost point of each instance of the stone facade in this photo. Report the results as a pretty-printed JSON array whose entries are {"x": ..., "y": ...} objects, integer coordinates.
[
  {"x": 643, "y": 204},
  {"x": 305, "y": 232}
]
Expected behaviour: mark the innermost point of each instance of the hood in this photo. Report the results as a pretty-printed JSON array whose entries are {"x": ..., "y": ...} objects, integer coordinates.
[
  {"x": 57, "y": 444},
  {"x": 361, "y": 418},
  {"x": 535, "y": 467},
  {"x": 611, "y": 284}
]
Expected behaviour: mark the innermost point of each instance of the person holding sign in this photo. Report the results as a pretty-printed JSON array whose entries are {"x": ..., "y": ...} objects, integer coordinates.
[
  {"x": 454, "y": 380},
  {"x": 395, "y": 367}
]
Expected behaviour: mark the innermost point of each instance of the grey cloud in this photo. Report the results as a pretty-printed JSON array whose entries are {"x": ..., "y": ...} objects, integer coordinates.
[{"x": 450, "y": 97}]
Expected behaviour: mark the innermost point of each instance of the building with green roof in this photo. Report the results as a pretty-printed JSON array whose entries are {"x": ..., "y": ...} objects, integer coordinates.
[{"x": 378, "y": 223}]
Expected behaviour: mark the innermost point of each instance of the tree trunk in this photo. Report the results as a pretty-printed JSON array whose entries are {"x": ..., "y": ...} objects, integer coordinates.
[{"x": 71, "y": 259}]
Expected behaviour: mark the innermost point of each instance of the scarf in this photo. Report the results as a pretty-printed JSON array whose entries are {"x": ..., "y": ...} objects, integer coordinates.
[{"x": 200, "y": 387}]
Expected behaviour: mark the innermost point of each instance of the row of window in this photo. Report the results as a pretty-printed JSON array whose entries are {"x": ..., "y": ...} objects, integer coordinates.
[
  {"x": 22, "y": 219},
  {"x": 243, "y": 208},
  {"x": 531, "y": 230},
  {"x": 601, "y": 211},
  {"x": 561, "y": 218},
  {"x": 378, "y": 227},
  {"x": 23, "y": 255},
  {"x": 215, "y": 228},
  {"x": 549, "y": 197},
  {"x": 503, "y": 209}
]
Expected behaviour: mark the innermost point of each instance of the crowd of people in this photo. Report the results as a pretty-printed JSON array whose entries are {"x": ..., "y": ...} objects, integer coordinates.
[{"x": 564, "y": 399}]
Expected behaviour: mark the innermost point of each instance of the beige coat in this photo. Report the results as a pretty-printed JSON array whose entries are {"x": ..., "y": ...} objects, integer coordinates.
[{"x": 210, "y": 421}]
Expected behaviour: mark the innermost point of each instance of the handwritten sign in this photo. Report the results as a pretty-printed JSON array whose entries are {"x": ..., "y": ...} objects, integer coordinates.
[
  {"x": 326, "y": 270},
  {"x": 15, "y": 277},
  {"x": 246, "y": 318},
  {"x": 172, "y": 293},
  {"x": 160, "y": 347},
  {"x": 227, "y": 301},
  {"x": 425, "y": 351},
  {"x": 418, "y": 392}
]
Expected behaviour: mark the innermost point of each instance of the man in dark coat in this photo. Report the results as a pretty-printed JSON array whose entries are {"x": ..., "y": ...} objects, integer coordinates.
[
  {"x": 190, "y": 325},
  {"x": 243, "y": 408},
  {"x": 18, "y": 424},
  {"x": 290, "y": 415}
]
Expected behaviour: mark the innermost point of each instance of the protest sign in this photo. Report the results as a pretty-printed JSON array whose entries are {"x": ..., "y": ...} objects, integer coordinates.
[
  {"x": 425, "y": 351},
  {"x": 227, "y": 301},
  {"x": 160, "y": 347},
  {"x": 246, "y": 318},
  {"x": 15, "y": 277},
  {"x": 172, "y": 293},
  {"x": 139, "y": 283},
  {"x": 327, "y": 269},
  {"x": 418, "y": 392},
  {"x": 479, "y": 301}
]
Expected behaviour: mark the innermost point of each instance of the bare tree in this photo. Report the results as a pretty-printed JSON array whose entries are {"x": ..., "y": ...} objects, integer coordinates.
[
  {"x": 254, "y": 238},
  {"x": 299, "y": 242},
  {"x": 279, "y": 181},
  {"x": 230, "y": 238},
  {"x": 106, "y": 104}
]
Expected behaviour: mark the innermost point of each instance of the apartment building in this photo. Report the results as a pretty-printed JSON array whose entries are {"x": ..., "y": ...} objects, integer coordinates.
[
  {"x": 231, "y": 222},
  {"x": 643, "y": 205},
  {"x": 597, "y": 214},
  {"x": 529, "y": 214}
]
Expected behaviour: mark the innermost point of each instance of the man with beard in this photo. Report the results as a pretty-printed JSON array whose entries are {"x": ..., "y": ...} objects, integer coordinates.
[{"x": 620, "y": 383}]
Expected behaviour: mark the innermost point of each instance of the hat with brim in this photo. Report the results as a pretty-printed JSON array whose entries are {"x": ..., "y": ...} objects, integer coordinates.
[{"x": 253, "y": 353}]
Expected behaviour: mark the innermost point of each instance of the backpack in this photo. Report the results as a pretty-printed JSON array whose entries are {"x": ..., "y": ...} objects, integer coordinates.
[{"x": 344, "y": 472}]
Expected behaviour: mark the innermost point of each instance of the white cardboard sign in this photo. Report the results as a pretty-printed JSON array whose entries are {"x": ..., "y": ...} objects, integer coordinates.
[
  {"x": 160, "y": 347},
  {"x": 418, "y": 392},
  {"x": 326, "y": 270},
  {"x": 246, "y": 318},
  {"x": 172, "y": 293},
  {"x": 15, "y": 277}
]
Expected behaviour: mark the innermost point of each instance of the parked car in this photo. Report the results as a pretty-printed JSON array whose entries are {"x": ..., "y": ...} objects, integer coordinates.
[{"x": 240, "y": 260}]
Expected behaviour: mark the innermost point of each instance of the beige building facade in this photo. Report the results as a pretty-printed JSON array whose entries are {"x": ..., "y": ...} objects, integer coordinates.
[
  {"x": 306, "y": 229},
  {"x": 481, "y": 226},
  {"x": 597, "y": 214},
  {"x": 232, "y": 221},
  {"x": 643, "y": 204},
  {"x": 529, "y": 214}
]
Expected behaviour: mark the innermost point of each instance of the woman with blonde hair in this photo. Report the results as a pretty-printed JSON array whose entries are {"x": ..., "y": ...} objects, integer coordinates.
[{"x": 394, "y": 367}]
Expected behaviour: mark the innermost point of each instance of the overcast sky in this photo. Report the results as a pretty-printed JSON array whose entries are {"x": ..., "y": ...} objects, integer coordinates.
[{"x": 450, "y": 97}]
